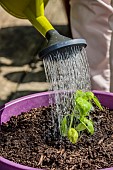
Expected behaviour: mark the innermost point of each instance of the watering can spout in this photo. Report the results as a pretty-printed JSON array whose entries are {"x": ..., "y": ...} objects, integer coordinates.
[{"x": 33, "y": 10}]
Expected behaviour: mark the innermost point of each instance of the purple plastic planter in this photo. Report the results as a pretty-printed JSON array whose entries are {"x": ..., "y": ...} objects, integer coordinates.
[{"x": 36, "y": 100}]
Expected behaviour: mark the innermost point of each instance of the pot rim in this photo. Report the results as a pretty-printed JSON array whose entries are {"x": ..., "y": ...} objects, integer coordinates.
[{"x": 43, "y": 94}]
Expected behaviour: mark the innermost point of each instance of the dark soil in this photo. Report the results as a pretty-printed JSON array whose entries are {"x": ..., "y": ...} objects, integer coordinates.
[{"x": 27, "y": 139}]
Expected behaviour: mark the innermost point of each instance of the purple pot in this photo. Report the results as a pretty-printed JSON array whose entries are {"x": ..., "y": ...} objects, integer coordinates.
[{"x": 26, "y": 103}]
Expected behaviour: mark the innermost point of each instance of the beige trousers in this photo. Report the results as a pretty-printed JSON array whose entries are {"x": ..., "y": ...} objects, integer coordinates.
[{"x": 93, "y": 21}]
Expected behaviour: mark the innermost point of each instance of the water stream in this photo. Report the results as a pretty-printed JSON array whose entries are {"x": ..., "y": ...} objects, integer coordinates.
[{"x": 66, "y": 70}]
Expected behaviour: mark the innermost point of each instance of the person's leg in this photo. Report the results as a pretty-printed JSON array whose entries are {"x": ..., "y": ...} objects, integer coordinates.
[
  {"x": 111, "y": 52},
  {"x": 89, "y": 20}
]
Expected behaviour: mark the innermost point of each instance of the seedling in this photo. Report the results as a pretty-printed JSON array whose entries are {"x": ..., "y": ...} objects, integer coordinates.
[{"x": 79, "y": 120}]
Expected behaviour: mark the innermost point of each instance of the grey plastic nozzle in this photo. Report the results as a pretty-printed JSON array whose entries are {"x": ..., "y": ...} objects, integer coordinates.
[{"x": 58, "y": 42}]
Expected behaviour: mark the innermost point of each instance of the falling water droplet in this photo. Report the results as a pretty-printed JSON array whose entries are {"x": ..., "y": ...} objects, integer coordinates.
[{"x": 66, "y": 70}]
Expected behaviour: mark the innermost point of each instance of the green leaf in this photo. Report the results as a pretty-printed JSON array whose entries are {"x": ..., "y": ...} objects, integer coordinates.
[
  {"x": 84, "y": 106},
  {"x": 79, "y": 93},
  {"x": 89, "y": 95},
  {"x": 72, "y": 135},
  {"x": 80, "y": 127},
  {"x": 63, "y": 127},
  {"x": 88, "y": 124},
  {"x": 95, "y": 99}
]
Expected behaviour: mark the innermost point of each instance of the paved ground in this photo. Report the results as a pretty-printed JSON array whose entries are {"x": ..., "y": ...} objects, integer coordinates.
[{"x": 21, "y": 71}]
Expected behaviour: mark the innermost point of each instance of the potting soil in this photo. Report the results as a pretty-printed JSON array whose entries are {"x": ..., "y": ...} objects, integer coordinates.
[{"x": 27, "y": 139}]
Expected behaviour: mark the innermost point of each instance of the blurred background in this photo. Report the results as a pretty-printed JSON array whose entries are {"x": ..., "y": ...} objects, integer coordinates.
[{"x": 21, "y": 70}]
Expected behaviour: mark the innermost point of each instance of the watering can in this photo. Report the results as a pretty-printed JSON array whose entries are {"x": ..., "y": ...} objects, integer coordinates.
[{"x": 33, "y": 10}]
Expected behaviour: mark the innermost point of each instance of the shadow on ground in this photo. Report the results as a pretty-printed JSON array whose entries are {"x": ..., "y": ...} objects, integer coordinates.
[
  {"x": 19, "y": 46},
  {"x": 30, "y": 76},
  {"x": 20, "y": 43}
]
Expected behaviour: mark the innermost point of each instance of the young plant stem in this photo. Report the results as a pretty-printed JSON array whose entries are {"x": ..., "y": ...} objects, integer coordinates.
[{"x": 71, "y": 121}]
